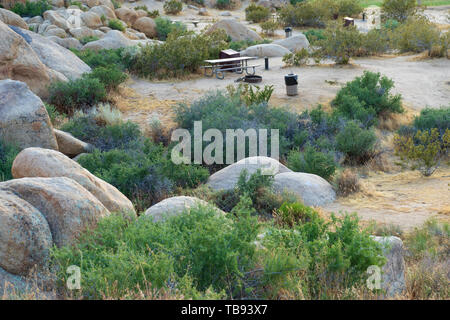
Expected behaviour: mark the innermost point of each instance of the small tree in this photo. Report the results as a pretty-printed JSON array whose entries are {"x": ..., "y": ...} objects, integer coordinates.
[
  {"x": 173, "y": 7},
  {"x": 424, "y": 150},
  {"x": 340, "y": 43},
  {"x": 399, "y": 9}
]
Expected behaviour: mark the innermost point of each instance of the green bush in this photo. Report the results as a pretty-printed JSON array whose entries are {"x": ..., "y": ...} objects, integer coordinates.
[
  {"x": 314, "y": 35},
  {"x": 269, "y": 27},
  {"x": 116, "y": 24},
  {"x": 399, "y": 9},
  {"x": 111, "y": 77},
  {"x": 433, "y": 118},
  {"x": 7, "y": 155},
  {"x": 257, "y": 13},
  {"x": 224, "y": 4},
  {"x": 244, "y": 44},
  {"x": 298, "y": 58},
  {"x": 74, "y": 95},
  {"x": 355, "y": 142},
  {"x": 312, "y": 161},
  {"x": 367, "y": 97},
  {"x": 122, "y": 58},
  {"x": 340, "y": 43},
  {"x": 88, "y": 39},
  {"x": 416, "y": 34},
  {"x": 172, "y": 6},
  {"x": 31, "y": 9},
  {"x": 329, "y": 257},
  {"x": 349, "y": 8},
  {"x": 209, "y": 250},
  {"x": 140, "y": 169},
  {"x": 178, "y": 56},
  {"x": 308, "y": 13},
  {"x": 425, "y": 149},
  {"x": 165, "y": 26}
]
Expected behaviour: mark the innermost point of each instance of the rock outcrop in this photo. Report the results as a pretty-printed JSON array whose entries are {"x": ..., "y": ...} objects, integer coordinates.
[
  {"x": 69, "y": 145},
  {"x": 312, "y": 189},
  {"x": 24, "y": 121},
  {"x": 393, "y": 272},
  {"x": 146, "y": 25},
  {"x": 294, "y": 43},
  {"x": 9, "y": 17},
  {"x": 25, "y": 237},
  {"x": 38, "y": 162},
  {"x": 236, "y": 30},
  {"x": 68, "y": 207},
  {"x": 175, "y": 206},
  {"x": 228, "y": 177},
  {"x": 265, "y": 50}
]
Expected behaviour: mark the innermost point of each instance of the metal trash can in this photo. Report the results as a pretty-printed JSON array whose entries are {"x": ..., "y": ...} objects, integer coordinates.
[
  {"x": 288, "y": 31},
  {"x": 291, "y": 84}
]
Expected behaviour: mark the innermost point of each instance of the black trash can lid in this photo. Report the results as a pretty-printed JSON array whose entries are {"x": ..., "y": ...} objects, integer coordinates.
[
  {"x": 290, "y": 79},
  {"x": 287, "y": 29}
]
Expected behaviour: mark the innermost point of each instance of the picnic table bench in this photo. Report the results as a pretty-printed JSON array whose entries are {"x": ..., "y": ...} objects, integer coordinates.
[{"x": 219, "y": 66}]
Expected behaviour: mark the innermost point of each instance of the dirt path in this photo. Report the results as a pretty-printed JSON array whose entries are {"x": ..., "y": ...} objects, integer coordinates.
[
  {"x": 405, "y": 199},
  {"x": 421, "y": 82}
]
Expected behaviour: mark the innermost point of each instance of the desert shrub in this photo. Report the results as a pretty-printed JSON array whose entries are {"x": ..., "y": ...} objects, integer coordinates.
[
  {"x": 111, "y": 77},
  {"x": 269, "y": 27},
  {"x": 251, "y": 96},
  {"x": 31, "y": 9},
  {"x": 122, "y": 57},
  {"x": 349, "y": 8},
  {"x": 224, "y": 4},
  {"x": 54, "y": 115},
  {"x": 355, "y": 142},
  {"x": 78, "y": 94},
  {"x": 340, "y": 43},
  {"x": 314, "y": 35},
  {"x": 178, "y": 55},
  {"x": 312, "y": 161},
  {"x": 139, "y": 168},
  {"x": 257, "y": 13},
  {"x": 298, "y": 58},
  {"x": 375, "y": 42},
  {"x": 391, "y": 24},
  {"x": 88, "y": 39},
  {"x": 116, "y": 4},
  {"x": 116, "y": 24},
  {"x": 424, "y": 150},
  {"x": 328, "y": 255},
  {"x": 347, "y": 182},
  {"x": 198, "y": 254},
  {"x": 399, "y": 9},
  {"x": 173, "y": 7},
  {"x": 8, "y": 153},
  {"x": 433, "y": 118},
  {"x": 367, "y": 97},
  {"x": 165, "y": 26},
  {"x": 308, "y": 13},
  {"x": 416, "y": 34}
]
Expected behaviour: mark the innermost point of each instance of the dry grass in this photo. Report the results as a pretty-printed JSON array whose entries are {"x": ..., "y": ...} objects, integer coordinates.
[{"x": 347, "y": 182}]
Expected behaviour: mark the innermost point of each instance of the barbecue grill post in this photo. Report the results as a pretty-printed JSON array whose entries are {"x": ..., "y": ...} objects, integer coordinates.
[{"x": 266, "y": 63}]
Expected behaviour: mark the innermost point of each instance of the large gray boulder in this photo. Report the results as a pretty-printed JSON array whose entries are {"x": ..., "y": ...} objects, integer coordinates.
[
  {"x": 228, "y": 177},
  {"x": 127, "y": 15},
  {"x": 68, "y": 207},
  {"x": 175, "y": 206},
  {"x": 103, "y": 10},
  {"x": 69, "y": 145},
  {"x": 265, "y": 50},
  {"x": 91, "y": 19},
  {"x": 312, "y": 189},
  {"x": 18, "y": 61},
  {"x": 25, "y": 237},
  {"x": 114, "y": 39},
  {"x": 38, "y": 162},
  {"x": 236, "y": 30},
  {"x": 82, "y": 32},
  {"x": 393, "y": 272},
  {"x": 56, "y": 19},
  {"x": 9, "y": 17},
  {"x": 68, "y": 43},
  {"x": 24, "y": 121},
  {"x": 146, "y": 25},
  {"x": 294, "y": 43},
  {"x": 57, "y": 57}
]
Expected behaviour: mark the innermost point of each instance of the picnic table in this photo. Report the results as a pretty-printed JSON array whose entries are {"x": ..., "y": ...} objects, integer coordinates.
[{"x": 219, "y": 66}]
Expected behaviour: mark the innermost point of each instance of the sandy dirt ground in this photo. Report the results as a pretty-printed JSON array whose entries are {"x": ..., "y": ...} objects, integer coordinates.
[{"x": 400, "y": 197}]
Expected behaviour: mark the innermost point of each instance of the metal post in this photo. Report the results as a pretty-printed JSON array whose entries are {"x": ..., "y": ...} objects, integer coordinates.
[{"x": 266, "y": 63}]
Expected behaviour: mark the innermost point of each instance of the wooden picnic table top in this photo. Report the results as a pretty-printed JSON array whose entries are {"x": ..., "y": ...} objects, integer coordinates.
[{"x": 229, "y": 59}]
